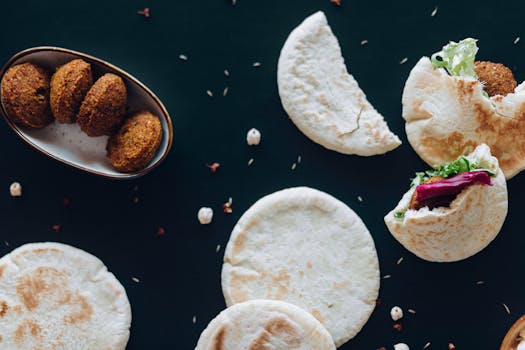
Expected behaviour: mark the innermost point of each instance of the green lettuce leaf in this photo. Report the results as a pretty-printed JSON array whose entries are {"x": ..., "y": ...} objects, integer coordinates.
[
  {"x": 460, "y": 165},
  {"x": 457, "y": 58}
]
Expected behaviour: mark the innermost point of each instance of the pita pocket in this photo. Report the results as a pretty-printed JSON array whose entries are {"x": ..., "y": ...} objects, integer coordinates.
[
  {"x": 323, "y": 99},
  {"x": 448, "y": 109},
  {"x": 265, "y": 324},
  {"x": 453, "y": 212},
  {"x": 54, "y": 296}
]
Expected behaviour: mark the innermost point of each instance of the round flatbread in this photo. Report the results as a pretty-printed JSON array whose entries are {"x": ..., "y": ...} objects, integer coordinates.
[
  {"x": 305, "y": 247},
  {"x": 448, "y": 116},
  {"x": 265, "y": 324},
  {"x": 54, "y": 296},
  {"x": 471, "y": 222},
  {"x": 322, "y": 99}
]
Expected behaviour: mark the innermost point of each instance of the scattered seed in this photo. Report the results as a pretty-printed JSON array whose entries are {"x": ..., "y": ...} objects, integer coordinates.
[
  {"x": 227, "y": 207},
  {"x": 256, "y": 64},
  {"x": 299, "y": 159},
  {"x": 217, "y": 248},
  {"x": 387, "y": 276},
  {"x": 359, "y": 199},
  {"x": 451, "y": 346},
  {"x": 364, "y": 42},
  {"x": 15, "y": 189},
  {"x": 517, "y": 40},
  {"x": 479, "y": 283},
  {"x": 145, "y": 12},
  {"x": 434, "y": 12},
  {"x": 427, "y": 345},
  {"x": 412, "y": 311},
  {"x": 183, "y": 57},
  {"x": 294, "y": 165},
  {"x": 135, "y": 279},
  {"x": 336, "y": 2},
  {"x": 226, "y": 72},
  {"x": 404, "y": 60},
  {"x": 400, "y": 260},
  {"x": 506, "y": 308},
  {"x": 225, "y": 91},
  {"x": 250, "y": 162},
  {"x": 205, "y": 215},
  {"x": 213, "y": 167},
  {"x": 209, "y": 93},
  {"x": 6, "y": 243},
  {"x": 135, "y": 200},
  {"x": 135, "y": 188},
  {"x": 161, "y": 231},
  {"x": 396, "y": 313},
  {"x": 194, "y": 319}
]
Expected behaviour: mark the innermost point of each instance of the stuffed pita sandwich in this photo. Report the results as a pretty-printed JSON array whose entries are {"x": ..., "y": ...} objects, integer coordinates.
[
  {"x": 452, "y": 212},
  {"x": 452, "y": 103}
]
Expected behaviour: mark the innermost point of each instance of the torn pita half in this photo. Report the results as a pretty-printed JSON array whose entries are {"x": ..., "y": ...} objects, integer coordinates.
[
  {"x": 323, "y": 99},
  {"x": 447, "y": 116},
  {"x": 265, "y": 324},
  {"x": 470, "y": 222},
  {"x": 54, "y": 296},
  {"x": 305, "y": 247}
]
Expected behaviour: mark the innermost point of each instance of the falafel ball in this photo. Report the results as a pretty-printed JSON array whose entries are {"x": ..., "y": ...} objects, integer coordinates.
[
  {"x": 136, "y": 142},
  {"x": 414, "y": 203},
  {"x": 25, "y": 95},
  {"x": 104, "y": 106},
  {"x": 69, "y": 85},
  {"x": 497, "y": 79}
]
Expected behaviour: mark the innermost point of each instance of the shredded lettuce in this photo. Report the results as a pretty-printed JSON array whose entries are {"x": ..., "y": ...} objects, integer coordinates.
[
  {"x": 457, "y": 58},
  {"x": 460, "y": 165}
]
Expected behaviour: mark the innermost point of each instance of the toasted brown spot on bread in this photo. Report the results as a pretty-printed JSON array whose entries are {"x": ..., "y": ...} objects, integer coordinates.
[
  {"x": 315, "y": 313},
  {"x": 277, "y": 327},
  {"x": 2, "y": 268},
  {"x": 218, "y": 341},
  {"x": 41, "y": 281},
  {"x": 3, "y": 308},
  {"x": 82, "y": 314},
  {"x": 309, "y": 265},
  {"x": 28, "y": 328},
  {"x": 449, "y": 147}
]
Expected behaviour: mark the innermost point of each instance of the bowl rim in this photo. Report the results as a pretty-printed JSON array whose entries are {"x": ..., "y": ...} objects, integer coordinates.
[
  {"x": 113, "y": 69},
  {"x": 512, "y": 333}
]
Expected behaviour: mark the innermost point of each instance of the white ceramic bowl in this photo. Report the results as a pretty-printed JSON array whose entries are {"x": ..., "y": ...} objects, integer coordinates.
[{"x": 66, "y": 142}]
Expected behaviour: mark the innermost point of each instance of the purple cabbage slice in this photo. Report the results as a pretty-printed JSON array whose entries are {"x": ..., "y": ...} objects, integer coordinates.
[{"x": 442, "y": 193}]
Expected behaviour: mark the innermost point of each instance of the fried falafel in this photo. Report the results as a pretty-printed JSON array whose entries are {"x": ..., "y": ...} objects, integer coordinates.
[
  {"x": 414, "y": 203},
  {"x": 497, "y": 79},
  {"x": 136, "y": 142},
  {"x": 69, "y": 86},
  {"x": 25, "y": 95},
  {"x": 104, "y": 106}
]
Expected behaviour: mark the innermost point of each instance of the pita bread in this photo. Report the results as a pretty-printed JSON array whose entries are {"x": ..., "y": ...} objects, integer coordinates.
[
  {"x": 322, "y": 99},
  {"x": 307, "y": 248},
  {"x": 471, "y": 222},
  {"x": 447, "y": 116},
  {"x": 53, "y": 296},
  {"x": 265, "y": 324}
]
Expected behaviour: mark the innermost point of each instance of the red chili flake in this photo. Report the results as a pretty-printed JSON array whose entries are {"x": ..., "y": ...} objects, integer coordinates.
[
  {"x": 337, "y": 2},
  {"x": 451, "y": 346},
  {"x": 161, "y": 232},
  {"x": 227, "y": 208},
  {"x": 56, "y": 228},
  {"x": 381, "y": 348},
  {"x": 144, "y": 12},
  {"x": 66, "y": 201},
  {"x": 378, "y": 302},
  {"x": 398, "y": 327},
  {"x": 213, "y": 167}
]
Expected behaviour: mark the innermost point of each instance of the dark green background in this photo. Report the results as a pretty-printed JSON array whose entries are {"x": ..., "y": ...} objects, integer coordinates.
[{"x": 180, "y": 272}]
